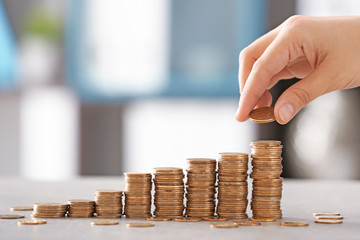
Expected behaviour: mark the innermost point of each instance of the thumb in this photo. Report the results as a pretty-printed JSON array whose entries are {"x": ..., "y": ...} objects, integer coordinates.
[{"x": 302, "y": 93}]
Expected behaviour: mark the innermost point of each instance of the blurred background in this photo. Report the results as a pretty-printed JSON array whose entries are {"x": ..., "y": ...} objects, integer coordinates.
[{"x": 102, "y": 87}]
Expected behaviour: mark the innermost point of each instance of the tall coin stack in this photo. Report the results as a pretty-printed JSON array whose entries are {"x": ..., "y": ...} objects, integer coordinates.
[
  {"x": 49, "y": 210},
  {"x": 81, "y": 208},
  {"x": 267, "y": 184},
  {"x": 108, "y": 203},
  {"x": 200, "y": 190},
  {"x": 169, "y": 191},
  {"x": 138, "y": 195},
  {"x": 232, "y": 185}
]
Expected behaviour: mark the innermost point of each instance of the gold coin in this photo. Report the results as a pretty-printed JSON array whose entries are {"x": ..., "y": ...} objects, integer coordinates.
[
  {"x": 50, "y": 205},
  {"x": 329, "y": 217},
  {"x": 80, "y": 215},
  {"x": 326, "y": 214},
  {"x": 167, "y": 169},
  {"x": 140, "y": 224},
  {"x": 32, "y": 222},
  {"x": 262, "y": 115},
  {"x": 160, "y": 219},
  {"x": 137, "y": 175},
  {"x": 294, "y": 224},
  {"x": 263, "y": 219},
  {"x": 215, "y": 219},
  {"x": 80, "y": 201},
  {"x": 22, "y": 208},
  {"x": 223, "y": 225},
  {"x": 247, "y": 223},
  {"x": 328, "y": 221},
  {"x": 104, "y": 223},
  {"x": 236, "y": 155},
  {"x": 201, "y": 160},
  {"x": 233, "y": 215},
  {"x": 11, "y": 216},
  {"x": 108, "y": 216},
  {"x": 188, "y": 219},
  {"x": 265, "y": 143}
]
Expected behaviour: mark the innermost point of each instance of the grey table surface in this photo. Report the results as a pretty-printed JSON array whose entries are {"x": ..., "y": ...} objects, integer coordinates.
[{"x": 300, "y": 199}]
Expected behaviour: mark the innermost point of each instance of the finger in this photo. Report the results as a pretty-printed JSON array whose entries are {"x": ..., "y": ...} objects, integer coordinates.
[
  {"x": 302, "y": 93},
  {"x": 282, "y": 75},
  {"x": 299, "y": 68},
  {"x": 273, "y": 60},
  {"x": 265, "y": 101},
  {"x": 251, "y": 53}
]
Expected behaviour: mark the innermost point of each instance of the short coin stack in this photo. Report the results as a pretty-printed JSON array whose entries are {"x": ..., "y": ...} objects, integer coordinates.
[
  {"x": 267, "y": 184},
  {"x": 328, "y": 218},
  {"x": 108, "y": 203},
  {"x": 81, "y": 208},
  {"x": 49, "y": 210},
  {"x": 232, "y": 185},
  {"x": 200, "y": 191},
  {"x": 169, "y": 191},
  {"x": 138, "y": 195}
]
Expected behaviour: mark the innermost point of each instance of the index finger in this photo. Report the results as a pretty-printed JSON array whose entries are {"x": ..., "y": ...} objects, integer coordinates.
[
  {"x": 271, "y": 62},
  {"x": 250, "y": 54}
]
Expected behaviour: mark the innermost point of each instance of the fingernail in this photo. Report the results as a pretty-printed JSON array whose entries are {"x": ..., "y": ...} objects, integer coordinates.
[{"x": 286, "y": 112}]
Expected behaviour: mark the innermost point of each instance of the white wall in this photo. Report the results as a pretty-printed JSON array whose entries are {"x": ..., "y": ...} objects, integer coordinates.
[
  {"x": 9, "y": 137},
  {"x": 49, "y": 118},
  {"x": 166, "y": 132}
]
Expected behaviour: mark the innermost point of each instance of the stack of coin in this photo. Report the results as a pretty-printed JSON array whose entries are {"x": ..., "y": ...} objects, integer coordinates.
[
  {"x": 81, "y": 208},
  {"x": 232, "y": 185},
  {"x": 200, "y": 189},
  {"x": 267, "y": 184},
  {"x": 108, "y": 203},
  {"x": 138, "y": 195},
  {"x": 169, "y": 191},
  {"x": 49, "y": 210}
]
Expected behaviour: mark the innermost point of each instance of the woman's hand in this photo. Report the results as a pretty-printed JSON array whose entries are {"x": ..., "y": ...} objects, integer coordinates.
[{"x": 323, "y": 51}]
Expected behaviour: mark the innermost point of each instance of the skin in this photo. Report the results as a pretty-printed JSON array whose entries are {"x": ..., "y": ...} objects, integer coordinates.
[{"x": 322, "y": 51}]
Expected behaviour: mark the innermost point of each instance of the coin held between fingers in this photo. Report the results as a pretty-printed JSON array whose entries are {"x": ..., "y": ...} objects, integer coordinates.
[{"x": 262, "y": 115}]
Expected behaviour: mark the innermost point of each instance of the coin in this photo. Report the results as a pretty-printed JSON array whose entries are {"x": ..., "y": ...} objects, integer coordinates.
[
  {"x": 21, "y": 208},
  {"x": 328, "y": 221},
  {"x": 326, "y": 214},
  {"x": 11, "y": 216},
  {"x": 262, "y": 219},
  {"x": 109, "y": 216},
  {"x": 32, "y": 222},
  {"x": 223, "y": 225},
  {"x": 262, "y": 115},
  {"x": 266, "y": 143},
  {"x": 104, "y": 223},
  {"x": 215, "y": 219},
  {"x": 294, "y": 224},
  {"x": 330, "y": 217},
  {"x": 160, "y": 219},
  {"x": 188, "y": 219},
  {"x": 247, "y": 223},
  {"x": 140, "y": 224}
]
